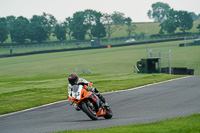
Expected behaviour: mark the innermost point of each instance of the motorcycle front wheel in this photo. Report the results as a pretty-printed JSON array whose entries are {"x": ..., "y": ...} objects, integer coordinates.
[
  {"x": 109, "y": 113},
  {"x": 89, "y": 111}
]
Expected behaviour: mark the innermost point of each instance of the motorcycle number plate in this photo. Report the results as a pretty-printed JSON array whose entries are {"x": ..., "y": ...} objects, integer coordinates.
[{"x": 77, "y": 94}]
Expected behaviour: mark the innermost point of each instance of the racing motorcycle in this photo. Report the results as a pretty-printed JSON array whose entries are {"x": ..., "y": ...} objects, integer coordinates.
[{"x": 89, "y": 103}]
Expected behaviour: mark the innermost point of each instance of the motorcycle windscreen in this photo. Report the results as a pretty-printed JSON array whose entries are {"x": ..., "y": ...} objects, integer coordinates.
[{"x": 76, "y": 91}]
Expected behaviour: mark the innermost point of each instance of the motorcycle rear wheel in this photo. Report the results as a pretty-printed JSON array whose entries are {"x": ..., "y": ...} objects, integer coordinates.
[{"x": 90, "y": 113}]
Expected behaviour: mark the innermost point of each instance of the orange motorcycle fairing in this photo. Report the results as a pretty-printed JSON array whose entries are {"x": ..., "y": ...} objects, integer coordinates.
[{"x": 101, "y": 112}]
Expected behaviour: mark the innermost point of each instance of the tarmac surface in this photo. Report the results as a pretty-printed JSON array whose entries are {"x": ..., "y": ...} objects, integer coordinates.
[{"x": 146, "y": 104}]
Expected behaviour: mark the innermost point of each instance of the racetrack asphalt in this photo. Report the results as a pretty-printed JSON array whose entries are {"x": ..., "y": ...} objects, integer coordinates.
[{"x": 174, "y": 98}]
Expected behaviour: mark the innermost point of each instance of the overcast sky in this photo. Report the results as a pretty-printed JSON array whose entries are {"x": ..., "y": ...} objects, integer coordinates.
[{"x": 61, "y": 9}]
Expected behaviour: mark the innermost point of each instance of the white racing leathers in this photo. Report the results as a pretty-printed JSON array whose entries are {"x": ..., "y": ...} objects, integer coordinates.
[{"x": 81, "y": 81}]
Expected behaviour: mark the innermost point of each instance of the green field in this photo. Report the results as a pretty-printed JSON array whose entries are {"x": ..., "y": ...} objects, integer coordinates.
[
  {"x": 34, "y": 80},
  {"x": 188, "y": 124},
  {"x": 150, "y": 28}
]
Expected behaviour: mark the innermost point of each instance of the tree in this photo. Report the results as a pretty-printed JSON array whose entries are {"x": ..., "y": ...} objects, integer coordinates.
[
  {"x": 198, "y": 27},
  {"x": 170, "y": 24},
  {"x": 78, "y": 26},
  {"x": 93, "y": 22},
  {"x": 95, "y": 26},
  {"x": 90, "y": 20},
  {"x": 107, "y": 21},
  {"x": 3, "y": 30},
  {"x": 194, "y": 16},
  {"x": 67, "y": 24},
  {"x": 19, "y": 30},
  {"x": 60, "y": 31},
  {"x": 159, "y": 11},
  {"x": 130, "y": 27},
  {"x": 49, "y": 23},
  {"x": 98, "y": 30},
  {"x": 184, "y": 20},
  {"x": 10, "y": 20},
  {"x": 37, "y": 29},
  {"x": 177, "y": 19},
  {"x": 113, "y": 22}
]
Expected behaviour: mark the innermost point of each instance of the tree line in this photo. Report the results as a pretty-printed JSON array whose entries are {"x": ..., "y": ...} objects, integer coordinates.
[
  {"x": 90, "y": 22},
  {"x": 170, "y": 20},
  {"x": 40, "y": 27}
]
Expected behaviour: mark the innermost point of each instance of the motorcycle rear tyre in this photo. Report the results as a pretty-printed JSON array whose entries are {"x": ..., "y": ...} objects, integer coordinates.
[{"x": 86, "y": 109}]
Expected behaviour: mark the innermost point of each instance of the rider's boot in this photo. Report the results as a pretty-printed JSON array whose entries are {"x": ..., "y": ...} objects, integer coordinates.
[
  {"x": 99, "y": 95},
  {"x": 104, "y": 104},
  {"x": 101, "y": 98}
]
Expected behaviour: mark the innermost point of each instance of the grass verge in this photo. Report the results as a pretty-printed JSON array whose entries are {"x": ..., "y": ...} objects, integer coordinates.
[{"x": 26, "y": 93}]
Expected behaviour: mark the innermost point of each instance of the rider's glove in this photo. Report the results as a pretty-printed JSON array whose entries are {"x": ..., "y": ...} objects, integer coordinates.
[
  {"x": 95, "y": 90},
  {"x": 89, "y": 86}
]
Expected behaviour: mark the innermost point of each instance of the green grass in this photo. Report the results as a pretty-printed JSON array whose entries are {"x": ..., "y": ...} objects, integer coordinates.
[
  {"x": 29, "y": 81},
  {"x": 188, "y": 124}
]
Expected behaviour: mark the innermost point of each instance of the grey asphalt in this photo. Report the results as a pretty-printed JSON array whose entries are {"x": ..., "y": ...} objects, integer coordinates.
[{"x": 147, "y": 104}]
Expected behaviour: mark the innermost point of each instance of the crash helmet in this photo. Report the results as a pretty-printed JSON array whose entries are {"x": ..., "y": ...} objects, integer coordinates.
[{"x": 73, "y": 78}]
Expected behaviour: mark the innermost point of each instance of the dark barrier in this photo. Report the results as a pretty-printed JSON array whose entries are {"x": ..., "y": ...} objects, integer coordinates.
[
  {"x": 178, "y": 70},
  {"x": 190, "y": 71},
  {"x": 51, "y": 51}
]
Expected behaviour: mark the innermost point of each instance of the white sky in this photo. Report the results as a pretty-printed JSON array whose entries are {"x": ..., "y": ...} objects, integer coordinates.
[{"x": 61, "y": 9}]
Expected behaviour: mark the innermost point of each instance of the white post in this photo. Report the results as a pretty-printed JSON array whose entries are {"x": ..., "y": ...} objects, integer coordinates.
[
  {"x": 160, "y": 61},
  {"x": 150, "y": 53},
  {"x": 185, "y": 41},
  {"x": 169, "y": 61}
]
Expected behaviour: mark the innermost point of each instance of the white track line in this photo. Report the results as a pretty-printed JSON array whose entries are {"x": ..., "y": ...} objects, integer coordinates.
[
  {"x": 9, "y": 114},
  {"x": 147, "y": 85}
]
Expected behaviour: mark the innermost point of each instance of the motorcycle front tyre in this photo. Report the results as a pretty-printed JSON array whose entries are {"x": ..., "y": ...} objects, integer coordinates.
[
  {"x": 90, "y": 113},
  {"x": 109, "y": 113}
]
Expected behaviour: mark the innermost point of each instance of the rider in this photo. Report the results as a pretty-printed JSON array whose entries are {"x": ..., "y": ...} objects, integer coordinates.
[{"x": 74, "y": 80}]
